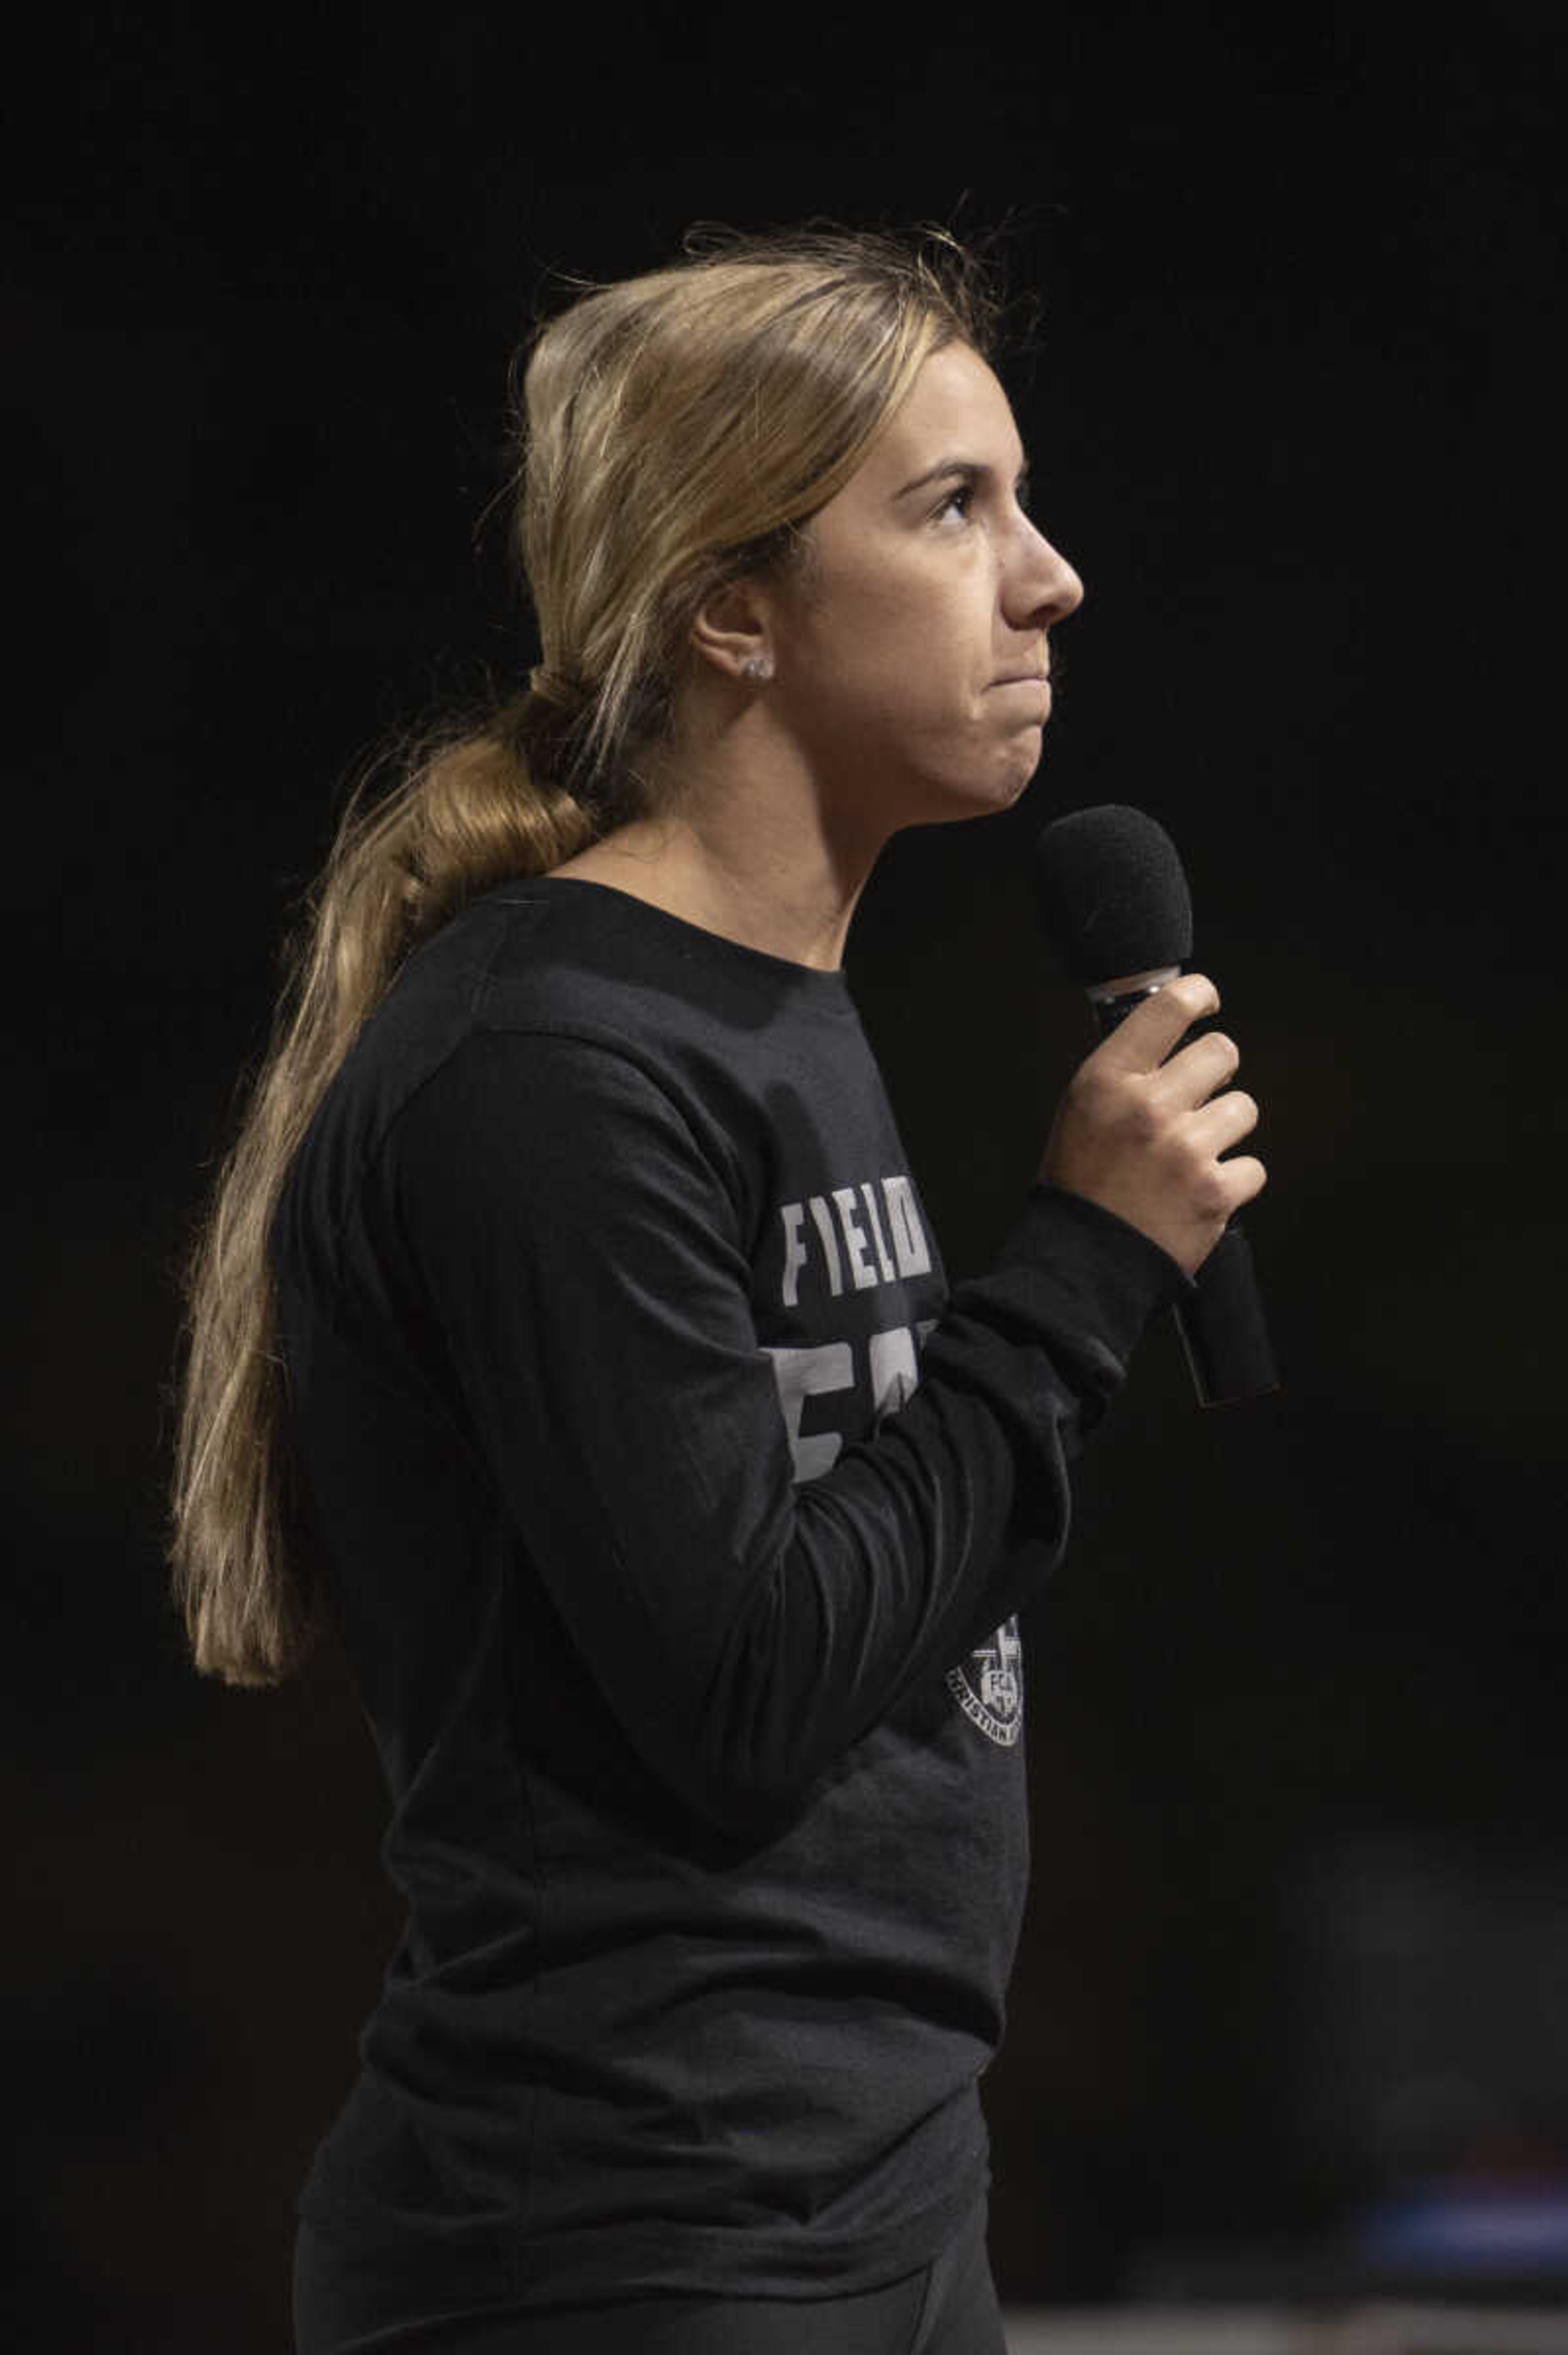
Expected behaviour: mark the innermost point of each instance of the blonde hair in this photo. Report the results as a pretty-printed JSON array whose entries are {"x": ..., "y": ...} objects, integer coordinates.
[{"x": 670, "y": 433}]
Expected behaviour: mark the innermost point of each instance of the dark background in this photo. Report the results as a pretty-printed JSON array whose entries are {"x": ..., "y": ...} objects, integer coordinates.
[{"x": 1298, "y": 1928}]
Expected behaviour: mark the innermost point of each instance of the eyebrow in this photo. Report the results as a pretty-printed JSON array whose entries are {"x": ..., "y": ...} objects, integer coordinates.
[{"x": 964, "y": 470}]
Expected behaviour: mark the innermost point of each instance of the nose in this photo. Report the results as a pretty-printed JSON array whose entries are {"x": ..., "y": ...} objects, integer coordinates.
[{"x": 1041, "y": 586}]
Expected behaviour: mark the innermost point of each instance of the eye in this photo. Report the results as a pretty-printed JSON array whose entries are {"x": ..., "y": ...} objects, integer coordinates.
[{"x": 958, "y": 502}]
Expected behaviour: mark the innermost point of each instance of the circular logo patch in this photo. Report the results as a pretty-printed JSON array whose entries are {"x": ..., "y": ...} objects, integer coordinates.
[{"x": 990, "y": 1686}]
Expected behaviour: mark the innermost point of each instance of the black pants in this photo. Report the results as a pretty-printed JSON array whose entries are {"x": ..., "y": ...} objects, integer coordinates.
[{"x": 948, "y": 2307}]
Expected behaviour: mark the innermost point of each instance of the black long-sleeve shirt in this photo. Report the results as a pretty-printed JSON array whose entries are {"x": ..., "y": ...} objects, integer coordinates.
[{"x": 677, "y": 1519}]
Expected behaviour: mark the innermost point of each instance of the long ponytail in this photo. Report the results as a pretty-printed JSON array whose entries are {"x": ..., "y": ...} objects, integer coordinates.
[{"x": 467, "y": 813}]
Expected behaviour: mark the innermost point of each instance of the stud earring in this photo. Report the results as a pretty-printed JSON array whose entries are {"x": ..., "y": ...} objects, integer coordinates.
[{"x": 757, "y": 667}]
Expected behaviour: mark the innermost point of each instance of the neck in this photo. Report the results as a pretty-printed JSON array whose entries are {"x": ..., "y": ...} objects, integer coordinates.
[{"x": 743, "y": 846}]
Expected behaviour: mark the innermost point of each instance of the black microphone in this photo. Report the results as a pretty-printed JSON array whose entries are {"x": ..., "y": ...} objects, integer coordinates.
[{"x": 1116, "y": 910}]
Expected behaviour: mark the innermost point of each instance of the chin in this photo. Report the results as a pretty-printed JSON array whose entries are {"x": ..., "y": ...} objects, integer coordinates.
[
  {"x": 975, "y": 801},
  {"x": 977, "y": 787},
  {"x": 1007, "y": 787}
]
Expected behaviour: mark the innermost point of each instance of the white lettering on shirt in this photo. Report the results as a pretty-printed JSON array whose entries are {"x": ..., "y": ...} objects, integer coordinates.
[
  {"x": 793, "y": 1218},
  {"x": 860, "y": 1268},
  {"x": 908, "y": 1235},
  {"x": 823, "y": 1217},
  {"x": 891, "y": 1373},
  {"x": 881, "y": 1230},
  {"x": 806, "y": 1373},
  {"x": 884, "y": 1262}
]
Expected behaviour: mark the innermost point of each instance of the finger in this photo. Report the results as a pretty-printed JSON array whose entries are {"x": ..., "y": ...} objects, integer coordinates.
[
  {"x": 1216, "y": 1126},
  {"x": 1142, "y": 1039},
  {"x": 1244, "y": 1176},
  {"x": 1197, "y": 1072}
]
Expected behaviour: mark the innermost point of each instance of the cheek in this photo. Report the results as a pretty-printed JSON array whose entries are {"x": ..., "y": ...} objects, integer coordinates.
[
  {"x": 865, "y": 664},
  {"x": 892, "y": 650},
  {"x": 919, "y": 655}
]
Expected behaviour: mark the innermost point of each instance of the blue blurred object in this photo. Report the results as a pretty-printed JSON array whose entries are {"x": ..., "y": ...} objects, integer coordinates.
[{"x": 1505, "y": 2227}]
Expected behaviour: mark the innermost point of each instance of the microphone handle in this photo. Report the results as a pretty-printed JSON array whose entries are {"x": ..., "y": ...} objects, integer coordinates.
[{"x": 1222, "y": 1324}]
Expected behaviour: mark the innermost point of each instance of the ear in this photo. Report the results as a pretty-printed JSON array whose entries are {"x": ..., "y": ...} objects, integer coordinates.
[{"x": 732, "y": 629}]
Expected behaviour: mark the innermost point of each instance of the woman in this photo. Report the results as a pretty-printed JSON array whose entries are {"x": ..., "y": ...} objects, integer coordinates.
[{"x": 556, "y": 1333}]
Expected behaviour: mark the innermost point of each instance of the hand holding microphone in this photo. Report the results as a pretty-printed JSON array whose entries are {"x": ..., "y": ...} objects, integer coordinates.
[{"x": 1141, "y": 1127}]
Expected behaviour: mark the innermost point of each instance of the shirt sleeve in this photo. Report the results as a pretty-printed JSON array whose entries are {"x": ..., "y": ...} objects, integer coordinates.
[{"x": 579, "y": 1259}]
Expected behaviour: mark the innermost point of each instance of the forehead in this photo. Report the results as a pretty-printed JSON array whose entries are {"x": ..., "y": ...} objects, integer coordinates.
[{"x": 956, "y": 408}]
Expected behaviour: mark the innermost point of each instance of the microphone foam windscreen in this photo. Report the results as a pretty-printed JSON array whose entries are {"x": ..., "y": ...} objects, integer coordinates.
[{"x": 1113, "y": 897}]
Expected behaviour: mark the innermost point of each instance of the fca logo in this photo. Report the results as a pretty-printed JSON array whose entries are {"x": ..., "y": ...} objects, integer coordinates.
[{"x": 999, "y": 1673}]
